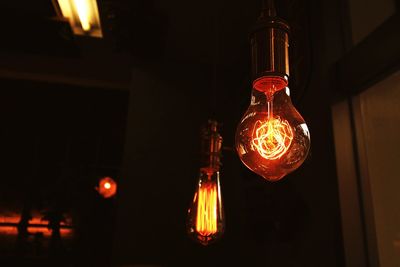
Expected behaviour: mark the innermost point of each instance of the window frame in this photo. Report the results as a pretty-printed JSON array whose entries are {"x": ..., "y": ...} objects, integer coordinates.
[{"x": 361, "y": 66}]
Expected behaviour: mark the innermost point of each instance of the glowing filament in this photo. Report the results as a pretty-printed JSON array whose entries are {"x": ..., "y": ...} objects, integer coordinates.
[
  {"x": 206, "y": 221},
  {"x": 272, "y": 138}
]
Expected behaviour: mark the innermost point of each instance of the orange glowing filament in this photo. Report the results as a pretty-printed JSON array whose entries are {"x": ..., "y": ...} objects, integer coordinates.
[
  {"x": 272, "y": 138},
  {"x": 206, "y": 221}
]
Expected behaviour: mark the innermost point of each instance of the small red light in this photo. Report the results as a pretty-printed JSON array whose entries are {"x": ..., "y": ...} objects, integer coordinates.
[{"x": 107, "y": 187}]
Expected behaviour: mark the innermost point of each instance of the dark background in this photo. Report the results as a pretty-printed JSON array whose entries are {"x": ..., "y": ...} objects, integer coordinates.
[{"x": 130, "y": 106}]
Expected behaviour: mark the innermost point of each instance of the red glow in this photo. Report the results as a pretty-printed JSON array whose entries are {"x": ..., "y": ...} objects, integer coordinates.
[
  {"x": 9, "y": 226},
  {"x": 272, "y": 138},
  {"x": 270, "y": 84},
  {"x": 107, "y": 187},
  {"x": 10, "y": 219}
]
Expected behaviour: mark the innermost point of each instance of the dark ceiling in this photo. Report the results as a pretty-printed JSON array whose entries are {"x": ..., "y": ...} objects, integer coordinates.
[{"x": 203, "y": 32}]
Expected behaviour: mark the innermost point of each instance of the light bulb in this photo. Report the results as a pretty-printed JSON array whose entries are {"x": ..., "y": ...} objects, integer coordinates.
[
  {"x": 206, "y": 216},
  {"x": 272, "y": 138},
  {"x": 107, "y": 187},
  {"x": 206, "y": 221}
]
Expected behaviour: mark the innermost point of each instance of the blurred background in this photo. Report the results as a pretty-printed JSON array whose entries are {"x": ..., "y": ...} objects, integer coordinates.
[{"x": 122, "y": 97}]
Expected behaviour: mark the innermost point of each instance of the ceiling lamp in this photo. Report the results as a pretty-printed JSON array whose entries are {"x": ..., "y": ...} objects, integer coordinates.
[
  {"x": 272, "y": 138},
  {"x": 206, "y": 221},
  {"x": 83, "y": 16}
]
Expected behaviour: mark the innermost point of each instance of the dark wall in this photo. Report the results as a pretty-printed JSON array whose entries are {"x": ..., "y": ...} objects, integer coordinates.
[{"x": 56, "y": 142}]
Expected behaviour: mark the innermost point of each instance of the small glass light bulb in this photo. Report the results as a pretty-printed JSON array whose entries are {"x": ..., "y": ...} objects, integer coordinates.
[
  {"x": 206, "y": 216},
  {"x": 206, "y": 220}
]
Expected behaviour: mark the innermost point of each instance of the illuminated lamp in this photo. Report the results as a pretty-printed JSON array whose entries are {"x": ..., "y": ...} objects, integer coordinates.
[
  {"x": 272, "y": 138},
  {"x": 83, "y": 16},
  {"x": 107, "y": 187},
  {"x": 206, "y": 221}
]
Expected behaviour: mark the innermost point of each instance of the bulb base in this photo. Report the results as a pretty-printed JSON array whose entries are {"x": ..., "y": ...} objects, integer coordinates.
[
  {"x": 211, "y": 147},
  {"x": 270, "y": 47}
]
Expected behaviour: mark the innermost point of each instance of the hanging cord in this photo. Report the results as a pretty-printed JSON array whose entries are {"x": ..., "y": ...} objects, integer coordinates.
[
  {"x": 269, "y": 6},
  {"x": 214, "y": 94}
]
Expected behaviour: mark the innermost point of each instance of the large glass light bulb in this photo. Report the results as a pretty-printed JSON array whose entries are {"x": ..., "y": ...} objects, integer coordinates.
[
  {"x": 206, "y": 221},
  {"x": 272, "y": 138}
]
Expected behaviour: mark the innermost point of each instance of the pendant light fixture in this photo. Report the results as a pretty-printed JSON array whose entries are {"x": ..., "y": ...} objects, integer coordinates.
[
  {"x": 206, "y": 221},
  {"x": 272, "y": 138}
]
